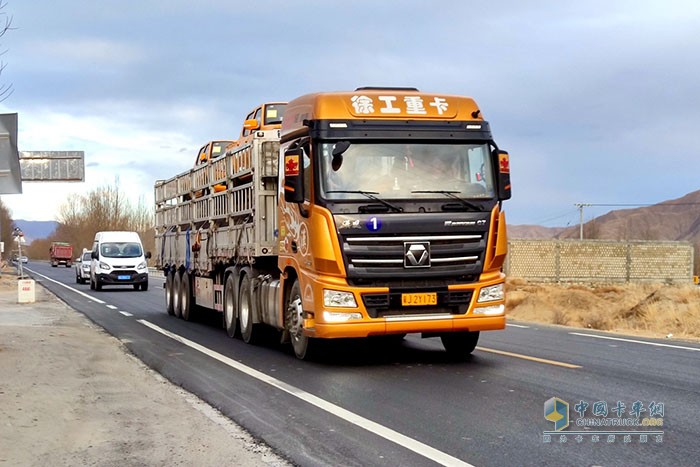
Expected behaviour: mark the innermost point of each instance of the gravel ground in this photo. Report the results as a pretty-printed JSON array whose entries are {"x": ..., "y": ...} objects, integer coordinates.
[{"x": 70, "y": 394}]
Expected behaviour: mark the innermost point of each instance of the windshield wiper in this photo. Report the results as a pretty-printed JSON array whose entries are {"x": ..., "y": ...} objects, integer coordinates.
[
  {"x": 370, "y": 195},
  {"x": 451, "y": 194}
]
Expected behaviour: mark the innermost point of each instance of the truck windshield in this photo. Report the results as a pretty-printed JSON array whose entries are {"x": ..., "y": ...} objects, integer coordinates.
[
  {"x": 407, "y": 170},
  {"x": 120, "y": 250}
]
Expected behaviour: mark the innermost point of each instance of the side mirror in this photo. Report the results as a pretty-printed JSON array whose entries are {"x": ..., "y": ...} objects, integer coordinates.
[
  {"x": 94, "y": 255},
  {"x": 148, "y": 255},
  {"x": 503, "y": 175},
  {"x": 293, "y": 176},
  {"x": 338, "y": 149},
  {"x": 251, "y": 125}
]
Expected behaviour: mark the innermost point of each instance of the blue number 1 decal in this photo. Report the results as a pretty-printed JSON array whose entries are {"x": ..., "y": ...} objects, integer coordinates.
[{"x": 373, "y": 224}]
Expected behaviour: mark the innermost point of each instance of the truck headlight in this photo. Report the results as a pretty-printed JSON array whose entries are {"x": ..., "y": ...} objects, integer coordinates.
[
  {"x": 335, "y": 317},
  {"x": 104, "y": 266},
  {"x": 489, "y": 310},
  {"x": 491, "y": 293},
  {"x": 337, "y": 298}
]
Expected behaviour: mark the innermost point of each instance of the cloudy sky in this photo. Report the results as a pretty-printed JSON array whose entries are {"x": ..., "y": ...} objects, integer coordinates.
[{"x": 597, "y": 101}]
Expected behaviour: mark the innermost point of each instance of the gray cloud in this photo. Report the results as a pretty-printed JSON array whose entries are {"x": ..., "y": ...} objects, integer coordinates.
[{"x": 596, "y": 101}]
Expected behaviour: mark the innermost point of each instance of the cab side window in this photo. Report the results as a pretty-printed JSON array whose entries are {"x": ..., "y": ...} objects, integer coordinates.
[
  {"x": 258, "y": 117},
  {"x": 249, "y": 117},
  {"x": 202, "y": 156}
]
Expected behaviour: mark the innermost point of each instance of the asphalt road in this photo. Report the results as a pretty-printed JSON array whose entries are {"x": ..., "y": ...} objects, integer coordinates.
[{"x": 370, "y": 403}]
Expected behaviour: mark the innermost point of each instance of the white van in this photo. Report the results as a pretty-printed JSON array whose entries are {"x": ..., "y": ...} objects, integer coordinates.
[{"x": 118, "y": 259}]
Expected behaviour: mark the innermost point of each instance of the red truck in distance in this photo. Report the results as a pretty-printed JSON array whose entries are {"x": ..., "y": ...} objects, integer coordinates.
[{"x": 61, "y": 253}]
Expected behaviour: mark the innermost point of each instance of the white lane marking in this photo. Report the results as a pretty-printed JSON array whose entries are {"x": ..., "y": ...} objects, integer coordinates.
[
  {"x": 373, "y": 427},
  {"x": 68, "y": 287},
  {"x": 658, "y": 344},
  {"x": 111, "y": 307},
  {"x": 517, "y": 326},
  {"x": 126, "y": 313}
]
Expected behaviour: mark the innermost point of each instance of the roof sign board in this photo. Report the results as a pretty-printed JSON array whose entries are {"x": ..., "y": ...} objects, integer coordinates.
[
  {"x": 10, "y": 180},
  {"x": 52, "y": 166}
]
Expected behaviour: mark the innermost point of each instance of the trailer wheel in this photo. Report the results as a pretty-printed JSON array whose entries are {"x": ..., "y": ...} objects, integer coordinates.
[
  {"x": 186, "y": 307},
  {"x": 304, "y": 346},
  {"x": 459, "y": 345},
  {"x": 230, "y": 320},
  {"x": 249, "y": 329},
  {"x": 169, "y": 293},
  {"x": 177, "y": 285}
]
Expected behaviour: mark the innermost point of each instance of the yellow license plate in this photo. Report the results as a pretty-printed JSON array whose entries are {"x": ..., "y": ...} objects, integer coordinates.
[{"x": 418, "y": 299}]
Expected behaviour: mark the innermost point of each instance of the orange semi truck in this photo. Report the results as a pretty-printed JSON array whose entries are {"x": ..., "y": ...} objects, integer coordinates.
[{"x": 336, "y": 223}]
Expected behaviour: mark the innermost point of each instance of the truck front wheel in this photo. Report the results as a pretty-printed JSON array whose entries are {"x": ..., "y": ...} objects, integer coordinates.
[
  {"x": 459, "y": 345},
  {"x": 303, "y": 345}
]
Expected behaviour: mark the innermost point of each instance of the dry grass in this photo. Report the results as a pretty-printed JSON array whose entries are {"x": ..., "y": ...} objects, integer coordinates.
[{"x": 654, "y": 310}]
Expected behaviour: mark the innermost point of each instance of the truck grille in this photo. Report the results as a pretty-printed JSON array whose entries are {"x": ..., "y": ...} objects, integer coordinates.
[{"x": 414, "y": 257}]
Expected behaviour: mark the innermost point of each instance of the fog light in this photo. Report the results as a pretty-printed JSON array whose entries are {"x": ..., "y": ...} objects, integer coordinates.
[
  {"x": 335, "y": 317},
  {"x": 491, "y": 293},
  {"x": 337, "y": 298},
  {"x": 489, "y": 310}
]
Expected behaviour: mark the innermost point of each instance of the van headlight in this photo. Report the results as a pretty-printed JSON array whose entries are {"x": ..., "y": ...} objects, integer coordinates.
[
  {"x": 337, "y": 298},
  {"x": 142, "y": 265},
  {"x": 104, "y": 266},
  {"x": 491, "y": 293}
]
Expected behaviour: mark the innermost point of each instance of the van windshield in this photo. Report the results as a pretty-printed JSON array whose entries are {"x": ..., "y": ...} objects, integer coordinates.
[{"x": 121, "y": 250}]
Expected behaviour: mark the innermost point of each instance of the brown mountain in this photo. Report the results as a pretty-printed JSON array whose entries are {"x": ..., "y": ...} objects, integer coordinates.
[
  {"x": 677, "y": 219},
  {"x": 533, "y": 231}
]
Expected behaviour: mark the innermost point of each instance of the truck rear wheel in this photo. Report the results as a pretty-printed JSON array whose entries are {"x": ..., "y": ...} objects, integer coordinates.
[
  {"x": 304, "y": 346},
  {"x": 186, "y": 307},
  {"x": 249, "y": 329},
  {"x": 459, "y": 345},
  {"x": 169, "y": 293},
  {"x": 230, "y": 320},
  {"x": 177, "y": 284}
]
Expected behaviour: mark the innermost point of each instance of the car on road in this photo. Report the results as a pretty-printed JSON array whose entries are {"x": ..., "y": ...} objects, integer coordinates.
[
  {"x": 23, "y": 258},
  {"x": 82, "y": 267}
]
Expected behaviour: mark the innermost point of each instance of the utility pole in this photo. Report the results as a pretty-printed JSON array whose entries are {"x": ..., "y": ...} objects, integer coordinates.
[{"x": 580, "y": 207}]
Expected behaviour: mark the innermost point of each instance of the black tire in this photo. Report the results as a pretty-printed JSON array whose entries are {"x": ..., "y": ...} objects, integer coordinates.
[
  {"x": 186, "y": 306},
  {"x": 249, "y": 329},
  {"x": 144, "y": 286},
  {"x": 460, "y": 345},
  {"x": 230, "y": 319},
  {"x": 177, "y": 280},
  {"x": 136, "y": 286},
  {"x": 169, "y": 293},
  {"x": 304, "y": 347}
]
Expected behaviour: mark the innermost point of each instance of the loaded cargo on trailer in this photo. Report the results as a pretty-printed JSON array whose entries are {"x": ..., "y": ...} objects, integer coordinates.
[{"x": 373, "y": 212}]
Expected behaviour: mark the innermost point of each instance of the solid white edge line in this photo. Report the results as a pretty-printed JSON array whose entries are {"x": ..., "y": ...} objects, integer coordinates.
[
  {"x": 373, "y": 427},
  {"x": 658, "y": 344},
  {"x": 517, "y": 326},
  {"x": 67, "y": 287}
]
